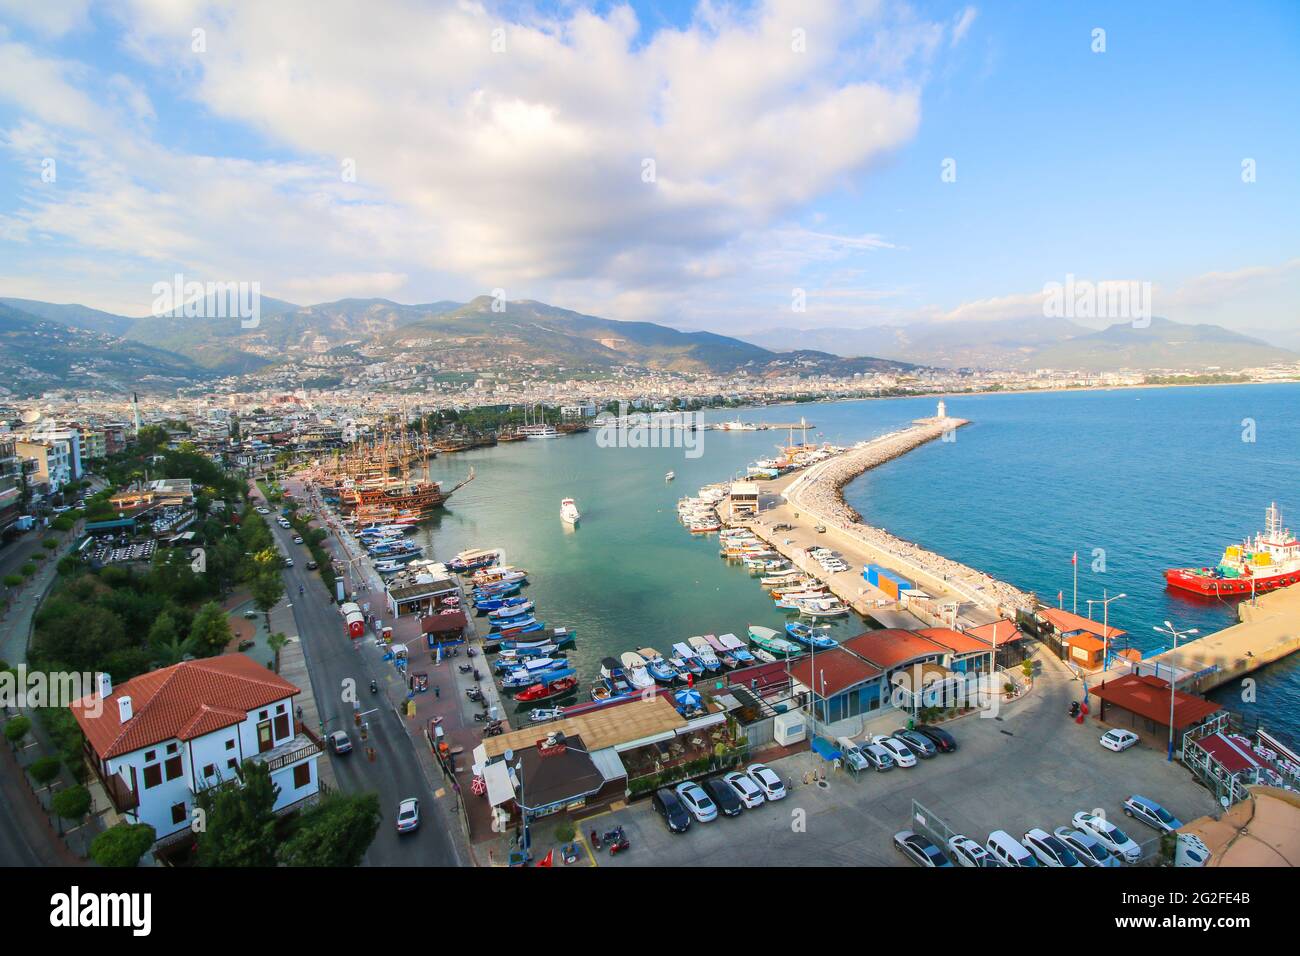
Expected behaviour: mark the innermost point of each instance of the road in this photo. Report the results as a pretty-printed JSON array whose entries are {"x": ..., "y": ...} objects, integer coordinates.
[{"x": 332, "y": 657}]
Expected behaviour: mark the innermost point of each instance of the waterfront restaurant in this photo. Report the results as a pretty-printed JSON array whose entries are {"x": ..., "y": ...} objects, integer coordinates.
[
  {"x": 418, "y": 598},
  {"x": 1140, "y": 703},
  {"x": 840, "y": 684},
  {"x": 1011, "y": 642}
]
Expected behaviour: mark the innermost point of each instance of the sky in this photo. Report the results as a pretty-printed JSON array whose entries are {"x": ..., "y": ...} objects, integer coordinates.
[{"x": 732, "y": 167}]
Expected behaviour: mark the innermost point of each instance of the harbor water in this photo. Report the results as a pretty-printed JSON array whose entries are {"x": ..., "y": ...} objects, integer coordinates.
[{"x": 1133, "y": 480}]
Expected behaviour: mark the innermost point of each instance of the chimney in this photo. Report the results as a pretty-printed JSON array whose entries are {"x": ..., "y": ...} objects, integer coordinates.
[
  {"x": 124, "y": 709},
  {"x": 105, "y": 686}
]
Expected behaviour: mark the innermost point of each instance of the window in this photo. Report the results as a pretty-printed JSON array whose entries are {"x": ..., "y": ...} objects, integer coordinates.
[
  {"x": 231, "y": 764},
  {"x": 230, "y": 744},
  {"x": 210, "y": 770},
  {"x": 262, "y": 716},
  {"x": 301, "y": 775},
  {"x": 174, "y": 768},
  {"x": 280, "y": 709},
  {"x": 282, "y": 726},
  {"x": 150, "y": 756},
  {"x": 152, "y": 776},
  {"x": 171, "y": 748},
  {"x": 178, "y": 813}
]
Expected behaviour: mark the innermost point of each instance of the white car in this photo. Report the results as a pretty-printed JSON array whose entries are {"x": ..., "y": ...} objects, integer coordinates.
[
  {"x": 1050, "y": 850},
  {"x": 408, "y": 815},
  {"x": 746, "y": 789},
  {"x": 697, "y": 801},
  {"x": 1118, "y": 740},
  {"x": 264, "y": 511},
  {"x": 1086, "y": 847},
  {"x": 1108, "y": 835},
  {"x": 966, "y": 852},
  {"x": 901, "y": 753},
  {"x": 767, "y": 780}
]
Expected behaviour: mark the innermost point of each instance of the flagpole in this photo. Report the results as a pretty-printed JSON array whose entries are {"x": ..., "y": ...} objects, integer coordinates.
[{"x": 1075, "y": 562}]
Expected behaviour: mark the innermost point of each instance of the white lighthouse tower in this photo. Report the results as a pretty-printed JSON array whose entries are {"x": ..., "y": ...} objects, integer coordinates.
[{"x": 943, "y": 409}]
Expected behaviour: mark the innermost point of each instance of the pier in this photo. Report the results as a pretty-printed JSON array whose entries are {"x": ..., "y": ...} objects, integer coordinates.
[
  {"x": 1267, "y": 632},
  {"x": 953, "y": 594}
]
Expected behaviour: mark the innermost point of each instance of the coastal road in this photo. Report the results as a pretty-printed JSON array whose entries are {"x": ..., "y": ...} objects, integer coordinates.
[{"x": 395, "y": 773}]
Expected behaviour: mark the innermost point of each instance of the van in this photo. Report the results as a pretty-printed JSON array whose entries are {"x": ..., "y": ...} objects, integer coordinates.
[
  {"x": 1009, "y": 851},
  {"x": 852, "y": 755}
]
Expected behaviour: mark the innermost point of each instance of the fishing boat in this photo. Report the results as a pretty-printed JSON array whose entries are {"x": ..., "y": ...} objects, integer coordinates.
[
  {"x": 511, "y": 611},
  {"x": 497, "y": 603},
  {"x": 538, "y": 662},
  {"x": 540, "y": 715},
  {"x": 763, "y": 656},
  {"x": 705, "y": 526},
  {"x": 683, "y": 656},
  {"x": 556, "y": 637},
  {"x": 765, "y": 638},
  {"x": 569, "y": 511},
  {"x": 737, "y": 649},
  {"x": 811, "y": 635},
  {"x": 510, "y": 657},
  {"x": 545, "y": 691},
  {"x": 705, "y": 652},
  {"x": 522, "y": 677},
  {"x": 497, "y": 590},
  {"x": 664, "y": 672},
  {"x": 502, "y": 575},
  {"x": 827, "y": 607},
  {"x": 728, "y": 660},
  {"x": 636, "y": 669},
  {"x": 514, "y": 623},
  {"x": 613, "y": 683}
]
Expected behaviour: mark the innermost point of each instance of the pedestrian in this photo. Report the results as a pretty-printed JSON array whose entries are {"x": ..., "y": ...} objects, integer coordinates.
[{"x": 437, "y": 692}]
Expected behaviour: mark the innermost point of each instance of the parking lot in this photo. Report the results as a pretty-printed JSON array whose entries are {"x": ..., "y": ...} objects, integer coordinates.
[{"x": 1033, "y": 767}]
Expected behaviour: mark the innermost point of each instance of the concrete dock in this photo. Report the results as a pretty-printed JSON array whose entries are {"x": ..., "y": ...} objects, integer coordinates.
[
  {"x": 1268, "y": 630},
  {"x": 956, "y": 594}
]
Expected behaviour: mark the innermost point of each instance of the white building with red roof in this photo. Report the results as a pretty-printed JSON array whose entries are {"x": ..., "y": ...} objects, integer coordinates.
[{"x": 163, "y": 737}]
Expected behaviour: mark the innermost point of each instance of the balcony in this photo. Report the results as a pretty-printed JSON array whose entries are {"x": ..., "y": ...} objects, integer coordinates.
[
  {"x": 123, "y": 798},
  {"x": 300, "y": 748}
]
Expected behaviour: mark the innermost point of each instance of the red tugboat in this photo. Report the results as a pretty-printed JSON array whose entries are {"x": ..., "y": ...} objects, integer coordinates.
[
  {"x": 1269, "y": 562},
  {"x": 546, "y": 691}
]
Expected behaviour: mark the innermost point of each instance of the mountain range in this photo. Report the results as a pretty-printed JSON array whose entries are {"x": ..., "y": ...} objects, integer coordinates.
[{"x": 47, "y": 345}]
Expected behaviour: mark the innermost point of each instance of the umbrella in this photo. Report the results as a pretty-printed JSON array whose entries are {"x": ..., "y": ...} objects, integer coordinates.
[
  {"x": 478, "y": 786},
  {"x": 689, "y": 698}
]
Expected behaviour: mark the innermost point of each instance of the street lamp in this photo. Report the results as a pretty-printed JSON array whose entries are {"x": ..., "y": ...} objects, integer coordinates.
[
  {"x": 1105, "y": 625},
  {"x": 1174, "y": 633}
]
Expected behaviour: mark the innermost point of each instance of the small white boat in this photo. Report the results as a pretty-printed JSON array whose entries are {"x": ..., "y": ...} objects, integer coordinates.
[
  {"x": 634, "y": 666},
  {"x": 705, "y": 652},
  {"x": 569, "y": 511},
  {"x": 669, "y": 477}
]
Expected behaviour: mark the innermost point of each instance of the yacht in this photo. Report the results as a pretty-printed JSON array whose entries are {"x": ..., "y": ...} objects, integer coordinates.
[
  {"x": 569, "y": 511},
  {"x": 539, "y": 431}
]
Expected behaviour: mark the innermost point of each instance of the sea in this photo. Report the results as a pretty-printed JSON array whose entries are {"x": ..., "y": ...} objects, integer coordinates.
[{"x": 1131, "y": 480}]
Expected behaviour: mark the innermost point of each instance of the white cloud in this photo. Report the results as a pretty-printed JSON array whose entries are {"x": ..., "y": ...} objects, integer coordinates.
[{"x": 962, "y": 24}]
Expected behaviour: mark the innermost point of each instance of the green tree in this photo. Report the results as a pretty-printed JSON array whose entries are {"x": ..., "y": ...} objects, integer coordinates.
[
  {"x": 45, "y": 770},
  {"x": 166, "y": 644},
  {"x": 71, "y": 804},
  {"x": 122, "y": 845},
  {"x": 210, "y": 632},
  {"x": 276, "y": 642},
  {"x": 267, "y": 588},
  {"x": 334, "y": 833},
  {"x": 16, "y": 729},
  {"x": 240, "y": 820}
]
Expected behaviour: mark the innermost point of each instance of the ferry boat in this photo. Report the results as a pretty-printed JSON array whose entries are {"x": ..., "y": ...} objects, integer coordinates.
[
  {"x": 569, "y": 511},
  {"x": 1269, "y": 562},
  {"x": 539, "y": 431}
]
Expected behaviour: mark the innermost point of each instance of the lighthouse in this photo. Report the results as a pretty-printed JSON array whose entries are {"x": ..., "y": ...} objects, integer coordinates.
[{"x": 943, "y": 410}]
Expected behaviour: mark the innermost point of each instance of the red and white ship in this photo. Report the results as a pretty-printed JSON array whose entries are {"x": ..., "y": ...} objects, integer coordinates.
[{"x": 1269, "y": 562}]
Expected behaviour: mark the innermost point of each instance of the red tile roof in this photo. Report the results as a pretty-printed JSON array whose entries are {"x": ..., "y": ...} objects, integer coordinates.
[
  {"x": 839, "y": 670},
  {"x": 1087, "y": 641},
  {"x": 956, "y": 641},
  {"x": 1148, "y": 697},
  {"x": 181, "y": 702},
  {"x": 1067, "y": 621},
  {"x": 1005, "y": 632},
  {"x": 891, "y": 646}
]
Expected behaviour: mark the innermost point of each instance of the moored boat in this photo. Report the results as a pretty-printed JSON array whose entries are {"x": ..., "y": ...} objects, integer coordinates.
[
  {"x": 737, "y": 649},
  {"x": 765, "y": 638},
  {"x": 636, "y": 669},
  {"x": 685, "y": 657},
  {"x": 569, "y": 511},
  {"x": 1269, "y": 562},
  {"x": 705, "y": 652},
  {"x": 545, "y": 691},
  {"x": 663, "y": 671},
  {"x": 811, "y": 635}
]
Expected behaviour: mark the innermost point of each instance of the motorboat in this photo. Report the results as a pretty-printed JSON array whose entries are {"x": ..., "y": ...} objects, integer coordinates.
[
  {"x": 529, "y": 662},
  {"x": 510, "y": 657},
  {"x": 497, "y": 603},
  {"x": 497, "y": 590},
  {"x": 540, "y": 715},
  {"x": 474, "y": 559},
  {"x": 638, "y": 674},
  {"x": 811, "y": 635},
  {"x": 524, "y": 678},
  {"x": 511, "y": 611},
  {"x": 737, "y": 649},
  {"x": 669, "y": 477},
  {"x": 546, "y": 691},
  {"x": 725, "y": 656},
  {"x": 524, "y": 626},
  {"x": 685, "y": 657},
  {"x": 556, "y": 637},
  {"x": 613, "y": 683},
  {"x": 705, "y": 652},
  {"x": 826, "y": 607},
  {"x": 664, "y": 672},
  {"x": 505, "y": 574},
  {"x": 569, "y": 511},
  {"x": 769, "y": 640}
]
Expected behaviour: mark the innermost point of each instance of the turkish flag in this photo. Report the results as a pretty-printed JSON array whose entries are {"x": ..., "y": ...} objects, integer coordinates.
[
  {"x": 1075, "y": 558},
  {"x": 548, "y": 859}
]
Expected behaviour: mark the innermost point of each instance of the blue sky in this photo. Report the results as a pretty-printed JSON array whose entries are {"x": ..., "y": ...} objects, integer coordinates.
[{"x": 522, "y": 168}]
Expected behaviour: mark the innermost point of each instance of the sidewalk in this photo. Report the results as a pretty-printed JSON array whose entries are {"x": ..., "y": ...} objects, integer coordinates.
[{"x": 293, "y": 668}]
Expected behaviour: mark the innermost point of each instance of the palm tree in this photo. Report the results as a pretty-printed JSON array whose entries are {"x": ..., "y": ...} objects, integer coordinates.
[
  {"x": 276, "y": 642},
  {"x": 167, "y": 653}
]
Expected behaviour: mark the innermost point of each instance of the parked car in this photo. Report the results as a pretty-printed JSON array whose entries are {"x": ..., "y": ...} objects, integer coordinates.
[
  {"x": 966, "y": 852},
  {"x": 1118, "y": 740},
  {"x": 697, "y": 801},
  {"x": 1009, "y": 851},
  {"x": 727, "y": 800},
  {"x": 920, "y": 850},
  {"x": 943, "y": 741},
  {"x": 670, "y": 808},
  {"x": 748, "y": 792},
  {"x": 852, "y": 755},
  {"x": 767, "y": 780},
  {"x": 264, "y": 511},
  {"x": 878, "y": 756},
  {"x": 408, "y": 815},
  {"x": 820, "y": 529},
  {"x": 340, "y": 742},
  {"x": 919, "y": 744},
  {"x": 1151, "y": 813},
  {"x": 1050, "y": 850},
  {"x": 1086, "y": 847},
  {"x": 902, "y": 755},
  {"x": 1108, "y": 835}
]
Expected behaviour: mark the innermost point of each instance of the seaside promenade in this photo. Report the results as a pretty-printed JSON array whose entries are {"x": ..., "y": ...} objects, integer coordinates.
[{"x": 956, "y": 594}]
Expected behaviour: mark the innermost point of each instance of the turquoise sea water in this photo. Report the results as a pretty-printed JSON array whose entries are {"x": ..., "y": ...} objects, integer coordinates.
[{"x": 1153, "y": 477}]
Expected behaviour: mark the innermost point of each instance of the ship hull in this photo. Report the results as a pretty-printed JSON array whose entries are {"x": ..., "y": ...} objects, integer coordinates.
[{"x": 1193, "y": 581}]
